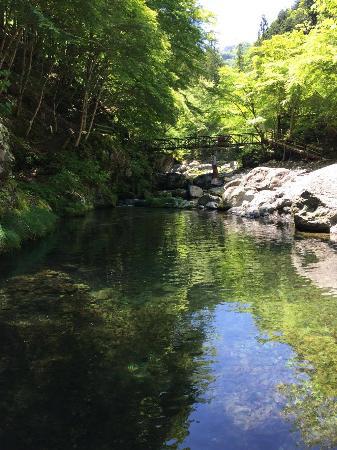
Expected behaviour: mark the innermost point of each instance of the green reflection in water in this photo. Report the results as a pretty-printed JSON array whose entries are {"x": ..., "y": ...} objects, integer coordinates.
[{"x": 104, "y": 331}]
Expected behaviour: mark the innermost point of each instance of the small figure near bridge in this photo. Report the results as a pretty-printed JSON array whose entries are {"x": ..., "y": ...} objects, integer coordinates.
[{"x": 215, "y": 174}]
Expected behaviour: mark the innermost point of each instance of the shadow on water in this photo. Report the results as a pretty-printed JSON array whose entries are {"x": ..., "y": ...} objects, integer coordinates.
[{"x": 145, "y": 329}]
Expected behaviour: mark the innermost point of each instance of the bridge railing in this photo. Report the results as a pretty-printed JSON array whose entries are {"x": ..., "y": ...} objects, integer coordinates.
[
  {"x": 203, "y": 142},
  {"x": 310, "y": 151}
]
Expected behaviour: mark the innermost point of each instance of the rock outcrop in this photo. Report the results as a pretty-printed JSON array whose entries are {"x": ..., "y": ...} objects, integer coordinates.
[
  {"x": 287, "y": 196},
  {"x": 263, "y": 192},
  {"x": 171, "y": 180},
  {"x": 315, "y": 208}
]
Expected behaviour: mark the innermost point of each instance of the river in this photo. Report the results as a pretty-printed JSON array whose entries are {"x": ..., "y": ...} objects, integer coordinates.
[{"x": 137, "y": 329}]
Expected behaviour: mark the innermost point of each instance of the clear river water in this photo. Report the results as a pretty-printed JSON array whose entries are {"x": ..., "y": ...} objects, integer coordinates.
[{"x": 137, "y": 329}]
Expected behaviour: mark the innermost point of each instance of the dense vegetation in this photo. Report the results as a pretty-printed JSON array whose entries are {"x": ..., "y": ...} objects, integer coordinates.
[
  {"x": 83, "y": 83},
  {"x": 80, "y": 84},
  {"x": 285, "y": 82}
]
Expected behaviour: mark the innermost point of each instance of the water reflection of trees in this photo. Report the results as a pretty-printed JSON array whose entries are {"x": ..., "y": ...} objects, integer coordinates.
[
  {"x": 291, "y": 293},
  {"x": 91, "y": 372},
  {"x": 133, "y": 351}
]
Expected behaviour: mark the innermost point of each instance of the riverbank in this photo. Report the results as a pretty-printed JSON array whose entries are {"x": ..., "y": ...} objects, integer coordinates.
[
  {"x": 30, "y": 210},
  {"x": 303, "y": 195},
  {"x": 296, "y": 195}
]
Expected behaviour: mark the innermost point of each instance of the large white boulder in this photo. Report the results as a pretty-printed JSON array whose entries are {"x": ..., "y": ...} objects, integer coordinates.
[
  {"x": 259, "y": 189},
  {"x": 315, "y": 207},
  {"x": 309, "y": 199}
]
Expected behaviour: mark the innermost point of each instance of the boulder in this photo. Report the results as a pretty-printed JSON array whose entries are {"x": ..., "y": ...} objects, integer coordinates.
[
  {"x": 263, "y": 192},
  {"x": 235, "y": 196},
  {"x": 307, "y": 199},
  {"x": 204, "y": 181},
  {"x": 312, "y": 213},
  {"x": 204, "y": 167},
  {"x": 315, "y": 207},
  {"x": 193, "y": 204},
  {"x": 193, "y": 164},
  {"x": 262, "y": 178},
  {"x": 217, "y": 182},
  {"x": 208, "y": 198},
  {"x": 171, "y": 181},
  {"x": 233, "y": 183},
  {"x": 195, "y": 191}
]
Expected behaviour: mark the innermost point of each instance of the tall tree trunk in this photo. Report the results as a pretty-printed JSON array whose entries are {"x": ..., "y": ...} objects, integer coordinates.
[
  {"x": 93, "y": 116},
  {"x": 84, "y": 114},
  {"x": 27, "y": 68},
  {"x": 86, "y": 98},
  {"x": 37, "y": 109},
  {"x": 55, "y": 106},
  {"x": 7, "y": 46}
]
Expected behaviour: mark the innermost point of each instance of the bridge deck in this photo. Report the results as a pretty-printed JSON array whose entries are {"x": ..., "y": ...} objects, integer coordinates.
[
  {"x": 228, "y": 141},
  {"x": 203, "y": 142}
]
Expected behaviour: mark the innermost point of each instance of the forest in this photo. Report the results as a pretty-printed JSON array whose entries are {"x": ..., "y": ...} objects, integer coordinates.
[
  {"x": 84, "y": 83},
  {"x": 284, "y": 83}
]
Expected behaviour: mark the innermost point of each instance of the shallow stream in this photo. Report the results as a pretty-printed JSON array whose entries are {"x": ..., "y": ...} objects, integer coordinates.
[{"x": 138, "y": 329}]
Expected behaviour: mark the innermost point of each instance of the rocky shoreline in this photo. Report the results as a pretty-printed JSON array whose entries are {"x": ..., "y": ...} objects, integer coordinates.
[
  {"x": 307, "y": 200},
  {"x": 303, "y": 197}
]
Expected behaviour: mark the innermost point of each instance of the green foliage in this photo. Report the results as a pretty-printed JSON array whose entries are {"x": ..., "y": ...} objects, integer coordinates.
[
  {"x": 88, "y": 170},
  {"x": 64, "y": 192},
  {"x": 199, "y": 111},
  {"x": 253, "y": 156},
  {"x": 302, "y": 16},
  {"x": 119, "y": 60},
  {"x": 97, "y": 76},
  {"x": 30, "y": 219},
  {"x": 29, "y": 223},
  {"x": 8, "y": 239},
  {"x": 284, "y": 84}
]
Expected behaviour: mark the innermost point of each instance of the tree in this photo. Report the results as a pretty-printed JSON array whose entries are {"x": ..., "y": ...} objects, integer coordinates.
[{"x": 263, "y": 28}]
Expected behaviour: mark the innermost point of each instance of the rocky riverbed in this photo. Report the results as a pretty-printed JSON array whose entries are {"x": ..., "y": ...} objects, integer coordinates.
[{"x": 303, "y": 196}]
